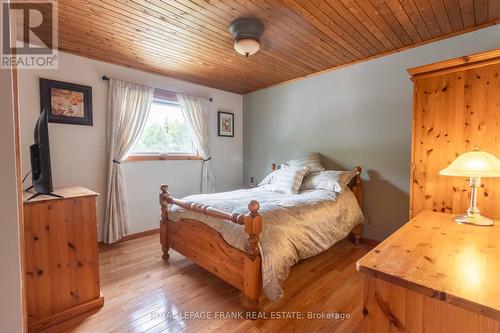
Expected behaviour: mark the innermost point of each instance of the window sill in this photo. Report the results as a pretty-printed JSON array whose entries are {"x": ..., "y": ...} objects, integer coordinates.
[{"x": 135, "y": 158}]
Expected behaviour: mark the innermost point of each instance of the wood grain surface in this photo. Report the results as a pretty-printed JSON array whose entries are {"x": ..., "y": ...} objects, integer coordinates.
[
  {"x": 61, "y": 258},
  {"x": 140, "y": 290},
  {"x": 436, "y": 257},
  {"x": 390, "y": 308},
  {"x": 456, "y": 108},
  {"x": 189, "y": 39}
]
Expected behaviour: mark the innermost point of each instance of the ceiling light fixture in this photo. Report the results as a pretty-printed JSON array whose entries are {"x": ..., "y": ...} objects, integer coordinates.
[{"x": 246, "y": 32}]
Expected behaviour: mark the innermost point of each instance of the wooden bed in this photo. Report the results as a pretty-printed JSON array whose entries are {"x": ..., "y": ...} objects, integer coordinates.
[{"x": 206, "y": 247}]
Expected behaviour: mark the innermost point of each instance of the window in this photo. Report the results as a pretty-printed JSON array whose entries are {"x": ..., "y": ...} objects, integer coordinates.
[{"x": 165, "y": 135}]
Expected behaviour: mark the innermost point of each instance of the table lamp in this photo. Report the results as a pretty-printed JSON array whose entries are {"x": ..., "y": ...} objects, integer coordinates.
[{"x": 474, "y": 164}]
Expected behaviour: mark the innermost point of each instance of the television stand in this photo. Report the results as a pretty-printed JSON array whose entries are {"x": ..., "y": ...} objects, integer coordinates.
[
  {"x": 61, "y": 259},
  {"x": 39, "y": 194}
]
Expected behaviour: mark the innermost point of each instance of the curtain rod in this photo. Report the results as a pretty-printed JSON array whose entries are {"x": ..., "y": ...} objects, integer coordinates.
[{"x": 105, "y": 78}]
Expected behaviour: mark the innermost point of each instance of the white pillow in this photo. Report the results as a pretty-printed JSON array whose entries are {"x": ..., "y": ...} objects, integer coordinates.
[
  {"x": 311, "y": 161},
  {"x": 271, "y": 177},
  {"x": 286, "y": 180},
  {"x": 329, "y": 180},
  {"x": 268, "y": 179}
]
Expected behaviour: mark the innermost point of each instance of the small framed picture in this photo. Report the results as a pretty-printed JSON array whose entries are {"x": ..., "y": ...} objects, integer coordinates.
[
  {"x": 66, "y": 103},
  {"x": 225, "y": 123}
]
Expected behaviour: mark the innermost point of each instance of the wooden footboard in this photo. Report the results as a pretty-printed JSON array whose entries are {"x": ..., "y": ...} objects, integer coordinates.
[{"x": 208, "y": 249}]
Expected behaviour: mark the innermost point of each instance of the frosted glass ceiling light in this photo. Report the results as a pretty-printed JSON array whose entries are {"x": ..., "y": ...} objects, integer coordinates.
[
  {"x": 246, "y": 46},
  {"x": 246, "y": 32}
]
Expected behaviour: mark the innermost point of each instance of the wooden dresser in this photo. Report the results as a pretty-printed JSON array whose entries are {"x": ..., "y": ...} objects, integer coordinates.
[
  {"x": 433, "y": 275},
  {"x": 61, "y": 256}
]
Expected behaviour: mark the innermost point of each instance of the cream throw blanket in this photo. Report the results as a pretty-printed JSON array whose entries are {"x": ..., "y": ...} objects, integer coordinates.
[{"x": 295, "y": 226}]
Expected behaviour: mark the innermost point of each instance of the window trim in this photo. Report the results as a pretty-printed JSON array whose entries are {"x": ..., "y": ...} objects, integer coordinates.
[
  {"x": 163, "y": 157},
  {"x": 167, "y": 97}
]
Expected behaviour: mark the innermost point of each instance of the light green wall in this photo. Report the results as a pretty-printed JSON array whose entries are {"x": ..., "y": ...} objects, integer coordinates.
[{"x": 357, "y": 115}]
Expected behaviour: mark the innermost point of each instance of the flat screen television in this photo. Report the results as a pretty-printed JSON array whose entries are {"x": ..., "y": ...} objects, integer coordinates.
[{"x": 41, "y": 173}]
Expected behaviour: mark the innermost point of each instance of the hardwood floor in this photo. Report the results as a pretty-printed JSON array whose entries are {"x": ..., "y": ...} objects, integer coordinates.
[{"x": 143, "y": 294}]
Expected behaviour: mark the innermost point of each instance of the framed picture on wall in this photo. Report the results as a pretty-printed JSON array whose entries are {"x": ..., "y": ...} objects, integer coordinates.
[
  {"x": 66, "y": 103},
  {"x": 225, "y": 123}
]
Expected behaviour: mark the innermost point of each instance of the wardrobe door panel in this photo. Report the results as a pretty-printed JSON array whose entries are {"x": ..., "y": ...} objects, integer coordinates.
[{"x": 454, "y": 112}]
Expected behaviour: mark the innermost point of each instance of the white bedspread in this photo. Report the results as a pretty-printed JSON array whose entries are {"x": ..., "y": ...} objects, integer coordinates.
[{"x": 295, "y": 226}]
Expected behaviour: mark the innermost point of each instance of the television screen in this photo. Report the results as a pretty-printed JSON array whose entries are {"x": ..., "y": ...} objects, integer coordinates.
[{"x": 40, "y": 157}]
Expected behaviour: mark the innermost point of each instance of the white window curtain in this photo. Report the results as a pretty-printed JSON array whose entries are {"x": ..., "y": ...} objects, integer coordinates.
[
  {"x": 128, "y": 109},
  {"x": 195, "y": 111}
]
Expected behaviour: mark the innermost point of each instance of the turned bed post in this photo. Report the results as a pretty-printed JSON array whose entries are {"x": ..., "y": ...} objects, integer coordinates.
[
  {"x": 357, "y": 190},
  {"x": 164, "y": 220},
  {"x": 252, "y": 282}
]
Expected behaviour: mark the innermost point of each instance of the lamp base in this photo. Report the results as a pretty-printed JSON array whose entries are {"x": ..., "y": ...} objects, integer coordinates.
[{"x": 476, "y": 219}]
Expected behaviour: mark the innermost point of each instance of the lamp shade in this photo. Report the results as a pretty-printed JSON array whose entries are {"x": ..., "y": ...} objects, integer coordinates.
[{"x": 473, "y": 164}]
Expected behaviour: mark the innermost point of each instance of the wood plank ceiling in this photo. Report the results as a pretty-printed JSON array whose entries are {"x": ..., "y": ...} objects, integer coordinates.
[{"x": 189, "y": 39}]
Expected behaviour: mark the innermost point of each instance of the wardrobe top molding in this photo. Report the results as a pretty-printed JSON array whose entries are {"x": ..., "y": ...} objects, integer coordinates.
[{"x": 456, "y": 64}]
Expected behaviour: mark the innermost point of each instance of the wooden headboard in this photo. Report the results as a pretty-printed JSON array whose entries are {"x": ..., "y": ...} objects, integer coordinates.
[{"x": 354, "y": 184}]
